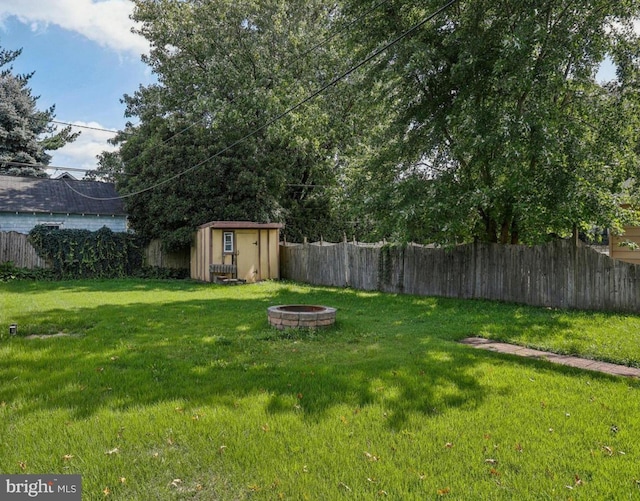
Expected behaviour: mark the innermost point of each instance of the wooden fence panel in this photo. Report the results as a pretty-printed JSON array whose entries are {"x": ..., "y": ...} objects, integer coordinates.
[
  {"x": 363, "y": 264},
  {"x": 558, "y": 274},
  {"x": 155, "y": 255},
  {"x": 15, "y": 247},
  {"x": 325, "y": 263}
]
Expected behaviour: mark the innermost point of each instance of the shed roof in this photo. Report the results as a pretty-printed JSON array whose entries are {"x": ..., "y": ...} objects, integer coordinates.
[
  {"x": 33, "y": 194},
  {"x": 241, "y": 225}
]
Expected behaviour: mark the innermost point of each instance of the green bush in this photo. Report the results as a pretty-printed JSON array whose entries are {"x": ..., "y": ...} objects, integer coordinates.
[
  {"x": 87, "y": 254},
  {"x": 8, "y": 272}
]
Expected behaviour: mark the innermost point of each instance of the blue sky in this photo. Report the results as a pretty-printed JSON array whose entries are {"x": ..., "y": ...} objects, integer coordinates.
[{"x": 85, "y": 59}]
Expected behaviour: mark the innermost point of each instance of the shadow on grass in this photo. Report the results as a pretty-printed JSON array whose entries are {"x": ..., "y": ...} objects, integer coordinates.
[
  {"x": 387, "y": 350},
  {"x": 100, "y": 285}
]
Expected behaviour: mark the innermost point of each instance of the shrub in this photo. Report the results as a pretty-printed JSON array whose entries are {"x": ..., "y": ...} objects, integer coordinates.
[
  {"x": 8, "y": 272},
  {"x": 87, "y": 254}
]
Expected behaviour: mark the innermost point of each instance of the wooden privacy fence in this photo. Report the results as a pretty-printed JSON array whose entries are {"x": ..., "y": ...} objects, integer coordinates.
[
  {"x": 155, "y": 255},
  {"x": 15, "y": 247},
  {"x": 558, "y": 274}
]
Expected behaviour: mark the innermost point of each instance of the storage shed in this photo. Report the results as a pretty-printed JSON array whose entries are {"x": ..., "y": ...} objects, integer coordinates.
[
  {"x": 626, "y": 247},
  {"x": 240, "y": 250}
]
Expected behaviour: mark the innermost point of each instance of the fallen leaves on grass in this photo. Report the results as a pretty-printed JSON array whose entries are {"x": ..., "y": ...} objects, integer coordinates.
[{"x": 444, "y": 492}]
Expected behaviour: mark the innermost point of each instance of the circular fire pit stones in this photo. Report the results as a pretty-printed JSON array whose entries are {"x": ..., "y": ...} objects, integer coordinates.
[{"x": 301, "y": 316}]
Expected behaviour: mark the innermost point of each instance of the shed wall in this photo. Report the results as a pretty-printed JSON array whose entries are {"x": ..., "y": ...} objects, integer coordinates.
[
  {"x": 624, "y": 252},
  {"x": 207, "y": 249}
]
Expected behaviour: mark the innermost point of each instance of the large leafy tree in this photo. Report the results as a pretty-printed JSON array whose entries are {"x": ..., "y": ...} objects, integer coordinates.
[
  {"x": 499, "y": 130},
  {"x": 208, "y": 145},
  {"x": 26, "y": 133}
]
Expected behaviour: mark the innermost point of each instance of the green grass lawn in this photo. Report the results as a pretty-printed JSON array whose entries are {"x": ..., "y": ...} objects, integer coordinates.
[{"x": 179, "y": 390}]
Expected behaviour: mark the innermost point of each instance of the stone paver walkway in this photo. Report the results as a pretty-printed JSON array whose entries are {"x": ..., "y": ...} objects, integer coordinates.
[{"x": 581, "y": 363}]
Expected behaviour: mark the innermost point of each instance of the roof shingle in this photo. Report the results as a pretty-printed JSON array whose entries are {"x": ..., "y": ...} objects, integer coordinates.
[{"x": 31, "y": 194}]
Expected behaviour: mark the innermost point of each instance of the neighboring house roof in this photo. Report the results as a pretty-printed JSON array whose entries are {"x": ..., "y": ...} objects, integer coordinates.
[
  {"x": 64, "y": 196},
  {"x": 64, "y": 175},
  {"x": 239, "y": 225}
]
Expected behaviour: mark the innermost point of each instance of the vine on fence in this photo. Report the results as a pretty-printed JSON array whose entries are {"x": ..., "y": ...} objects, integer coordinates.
[
  {"x": 386, "y": 265},
  {"x": 88, "y": 254}
]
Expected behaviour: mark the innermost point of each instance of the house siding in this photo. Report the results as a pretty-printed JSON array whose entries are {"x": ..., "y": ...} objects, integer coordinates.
[{"x": 24, "y": 223}]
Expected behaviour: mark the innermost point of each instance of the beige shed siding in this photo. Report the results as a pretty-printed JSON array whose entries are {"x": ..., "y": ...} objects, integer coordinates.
[
  {"x": 625, "y": 253},
  {"x": 265, "y": 264},
  {"x": 207, "y": 249}
]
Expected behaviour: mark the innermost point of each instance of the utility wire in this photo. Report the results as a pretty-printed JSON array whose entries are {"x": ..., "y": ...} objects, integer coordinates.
[
  {"x": 38, "y": 166},
  {"x": 289, "y": 110},
  {"x": 86, "y": 127},
  {"x": 192, "y": 124},
  {"x": 297, "y": 57}
]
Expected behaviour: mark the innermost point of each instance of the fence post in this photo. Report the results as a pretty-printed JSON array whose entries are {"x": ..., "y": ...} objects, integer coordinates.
[{"x": 347, "y": 270}]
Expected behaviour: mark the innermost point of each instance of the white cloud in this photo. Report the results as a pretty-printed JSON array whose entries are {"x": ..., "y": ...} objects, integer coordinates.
[
  {"x": 105, "y": 22},
  {"x": 83, "y": 151}
]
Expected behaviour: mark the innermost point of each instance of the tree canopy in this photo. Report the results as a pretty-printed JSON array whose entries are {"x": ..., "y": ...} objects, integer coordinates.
[
  {"x": 208, "y": 142},
  {"x": 499, "y": 130},
  {"x": 26, "y": 133},
  {"x": 485, "y": 123}
]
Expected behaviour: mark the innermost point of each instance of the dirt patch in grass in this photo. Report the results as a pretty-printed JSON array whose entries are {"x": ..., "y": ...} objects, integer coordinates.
[{"x": 49, "y": 336}]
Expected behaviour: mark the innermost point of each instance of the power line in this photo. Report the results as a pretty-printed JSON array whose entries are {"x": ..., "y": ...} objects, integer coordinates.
[
  {"x": 40, "y": 166},
  {"x": 193, "y": 123},
  {"x": 87, "y": 127},
  {"x": 289, "y": 110}
]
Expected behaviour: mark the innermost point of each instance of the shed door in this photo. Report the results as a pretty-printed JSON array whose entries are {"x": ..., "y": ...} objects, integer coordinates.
[{"x": 248, "y": 248}]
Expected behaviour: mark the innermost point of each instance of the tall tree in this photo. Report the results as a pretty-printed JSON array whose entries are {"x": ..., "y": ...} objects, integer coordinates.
[
  {"x": 499, "y": 129},
  {"x": 226, "y": 70},
  {"x": 26, "y": 133}
]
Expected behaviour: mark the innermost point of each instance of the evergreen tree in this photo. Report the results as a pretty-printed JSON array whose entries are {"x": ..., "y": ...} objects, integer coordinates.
[{"x": 26, "y": 133}]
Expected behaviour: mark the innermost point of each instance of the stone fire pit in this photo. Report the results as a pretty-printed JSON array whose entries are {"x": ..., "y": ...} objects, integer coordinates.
[{"x": 304, "y": 316}]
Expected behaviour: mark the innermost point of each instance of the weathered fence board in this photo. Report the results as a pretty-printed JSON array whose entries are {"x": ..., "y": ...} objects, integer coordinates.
[
  {"x": 15, "y": 247},
  {"x": 558, "y": 274},
  {"x": 155, "y": 255}
]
